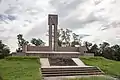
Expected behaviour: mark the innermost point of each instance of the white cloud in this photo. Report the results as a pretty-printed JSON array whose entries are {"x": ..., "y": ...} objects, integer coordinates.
[{"x": 98, "y": 18}]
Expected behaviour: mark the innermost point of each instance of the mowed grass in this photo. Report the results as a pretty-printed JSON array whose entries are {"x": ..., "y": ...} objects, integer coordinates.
[
  {"x": 20, "y": 68},
  {"x": 110, "y": 67}
]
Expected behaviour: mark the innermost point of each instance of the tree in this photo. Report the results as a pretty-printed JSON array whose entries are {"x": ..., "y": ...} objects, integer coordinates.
[
  {"x": 103, "y": 46},
  {"x": 75, "y": 37},
  {"x": 108, "y": 53},
  {"x": 59, "y": 43},
  {"x": 87, "y": 45},
  {"x": 116, "y": 52},
  {"x": 64, "y": 35},
  {"x": 4, "y": 50},
  {"x": 74, "y": 43},
  {"x": 21, "y": 42},
  {"x": 94, "y": 49},
  {"x": 68, "y": 32},
  {"x": 58, "y": 37},
  {"x": 76, "y": 40},
  {"x": 37, "y": 42}
]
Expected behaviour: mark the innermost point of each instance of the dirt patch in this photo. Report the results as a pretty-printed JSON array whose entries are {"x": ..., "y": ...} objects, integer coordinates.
[{"x": 61, "y": 62}]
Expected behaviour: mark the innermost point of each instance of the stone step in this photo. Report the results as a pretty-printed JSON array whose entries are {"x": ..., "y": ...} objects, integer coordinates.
[
  {"x": 71, "y": 74},
  {"x": 52, "y": 70},
  {"x": 69, "y": 68},
  {"x": 57, "y": 72},
  {"x": 70, "y": 71}
]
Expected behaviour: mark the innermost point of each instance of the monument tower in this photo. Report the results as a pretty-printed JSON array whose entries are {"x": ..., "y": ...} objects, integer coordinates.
[{"x": 53, "y": 23}]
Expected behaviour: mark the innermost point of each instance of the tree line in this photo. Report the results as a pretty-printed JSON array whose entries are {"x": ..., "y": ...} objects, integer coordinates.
[
  {"x": 104, "y": 50},
  {"x": 22, "y": 41},
  {"x": 64, "y": 38},
  {"x": 4, "y": 50}
]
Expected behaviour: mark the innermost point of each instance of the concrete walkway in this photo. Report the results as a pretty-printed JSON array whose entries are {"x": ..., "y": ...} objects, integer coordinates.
[
  {"x": 44, "y": 62},
  {"x": 78, "y": 62}
]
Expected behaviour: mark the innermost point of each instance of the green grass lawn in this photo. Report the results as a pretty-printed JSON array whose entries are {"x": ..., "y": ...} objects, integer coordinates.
[
  {"x": 27, "y": 68},
  {"x": 20, "y": 68},
  {"x": 110, "y": 67}
]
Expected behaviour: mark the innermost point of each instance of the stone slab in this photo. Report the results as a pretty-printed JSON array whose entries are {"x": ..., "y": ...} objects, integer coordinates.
[
  {"x": 54, "y": 52},
  {"x": 78, "y": 62},
  {"x": 44, "y": 62}
]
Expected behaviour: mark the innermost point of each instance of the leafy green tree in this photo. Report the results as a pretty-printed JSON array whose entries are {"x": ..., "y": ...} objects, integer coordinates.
[
  {"x": 37, "y": 42},
  {"x": 64, "y": 35},
  {"x": 58, "y": 37},
  {"x": 59, "y": 43},
  {"x": 116, "y": 52},
  {"x": 68, "y": 32},
  {"x": 74, "y": 43},
  {"x": 108, "y": 53},
  {"x": 76, "y": 40},
  {"x": 4, "y": 50},
  {"x": 94, "y": 49},
  {"x": 87, "y": 45},
  {"x": 103, "y": 46},
  {"x": 21, "y": 42},
  {"x": 75, "y": 37}
]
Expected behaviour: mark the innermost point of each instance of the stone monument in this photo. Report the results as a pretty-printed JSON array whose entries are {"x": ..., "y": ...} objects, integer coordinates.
[
  {"x": 53, "y": 50},
  {"x": 60, "y": 61},
  {"x": 53, "y": 22}
]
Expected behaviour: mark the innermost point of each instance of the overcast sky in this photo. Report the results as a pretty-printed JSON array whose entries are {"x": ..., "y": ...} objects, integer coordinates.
[{"x": 100, "y": 19}]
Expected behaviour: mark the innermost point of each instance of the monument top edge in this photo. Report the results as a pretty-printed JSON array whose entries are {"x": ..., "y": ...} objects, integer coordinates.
[{"x": 52, "y": 14}]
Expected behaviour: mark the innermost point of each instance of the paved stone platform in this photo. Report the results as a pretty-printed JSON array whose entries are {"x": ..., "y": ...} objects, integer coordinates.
[
  {"x": 53, "y": 72},
  {"x": 45, "y": 63},
  {"x": 61, "y": 62}
]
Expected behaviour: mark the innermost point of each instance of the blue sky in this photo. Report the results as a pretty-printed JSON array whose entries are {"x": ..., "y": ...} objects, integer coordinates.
[{"x": 98, "y": 18}]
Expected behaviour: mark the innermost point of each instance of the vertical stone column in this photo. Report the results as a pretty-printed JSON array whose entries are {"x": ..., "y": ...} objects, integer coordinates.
[
  {"x": 24, "y": 47},
  {"x": 55, "y": 38},
  {"x": 50, "y": 37},
  {"x": 53, "y": 20}
]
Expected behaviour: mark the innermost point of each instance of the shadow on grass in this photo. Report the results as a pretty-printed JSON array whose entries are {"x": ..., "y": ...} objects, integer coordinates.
[{"x": 1, "y": 78}]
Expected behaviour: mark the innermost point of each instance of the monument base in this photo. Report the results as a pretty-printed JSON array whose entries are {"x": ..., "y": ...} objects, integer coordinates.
[
  {"x": 54, "y": 54},
  {"x": 57, "y": 68}
]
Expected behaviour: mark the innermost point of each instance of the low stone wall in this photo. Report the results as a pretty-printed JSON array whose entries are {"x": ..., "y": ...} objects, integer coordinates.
[
  {"x": 18, "y": 54},
  {"x": 88, "y": 54},
  {"x": 68, "y": 49},
  {"x": 38, "y": 48},
  {"x": 42, "y": 55}
]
